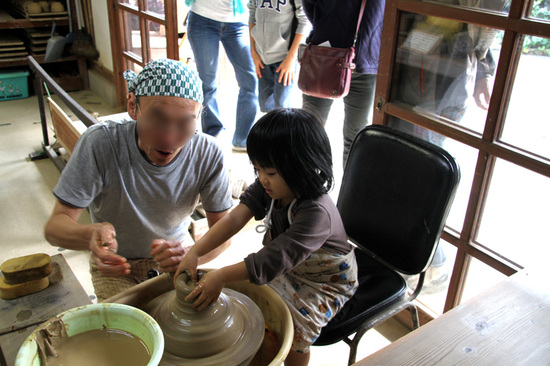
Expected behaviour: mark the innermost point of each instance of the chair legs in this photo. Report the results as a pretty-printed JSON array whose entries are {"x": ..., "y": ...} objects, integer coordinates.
[
  {"x": 354, "y": 343},
  {"x": 414, "y": 315}
]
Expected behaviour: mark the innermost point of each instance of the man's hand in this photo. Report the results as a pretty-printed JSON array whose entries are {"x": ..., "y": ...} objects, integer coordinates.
[
  {"x": 168, "y": 253},
  {"x": 207, "y": 291},
  {"x": 103, "y": 248},
  {"x": 482, "y": 93}
]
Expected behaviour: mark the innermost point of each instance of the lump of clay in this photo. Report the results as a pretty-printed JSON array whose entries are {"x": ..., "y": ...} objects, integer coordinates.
[{"x": 228, "y": 332}]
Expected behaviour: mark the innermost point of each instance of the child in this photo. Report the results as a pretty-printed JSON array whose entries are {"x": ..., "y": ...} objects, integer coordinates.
[
  {"x": 273, "y": 24},
  {"x": 306, "y": 257}
]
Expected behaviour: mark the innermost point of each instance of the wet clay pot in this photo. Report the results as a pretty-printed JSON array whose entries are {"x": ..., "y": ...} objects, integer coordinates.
[{"x": 228, "y": 332}]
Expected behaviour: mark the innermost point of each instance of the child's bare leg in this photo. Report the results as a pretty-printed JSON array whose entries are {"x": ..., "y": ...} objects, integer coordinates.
[{"x": 297, "y": 359}]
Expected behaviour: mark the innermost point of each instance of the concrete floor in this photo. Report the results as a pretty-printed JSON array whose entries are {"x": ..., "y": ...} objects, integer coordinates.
[{"x": 27, "y": 201}]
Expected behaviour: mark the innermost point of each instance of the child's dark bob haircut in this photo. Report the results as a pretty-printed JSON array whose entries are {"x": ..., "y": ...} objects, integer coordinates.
[{"x": 294, "y": 142}]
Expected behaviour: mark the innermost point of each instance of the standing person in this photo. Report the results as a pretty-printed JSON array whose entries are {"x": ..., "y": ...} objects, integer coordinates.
[
  {"x": 306, "y": 257},
  {"x": 211, "y": 22},
  {"x": 336, "y": 21},
  {"x": 276, "y": 31},
  {"x": 141, "y": 180}
]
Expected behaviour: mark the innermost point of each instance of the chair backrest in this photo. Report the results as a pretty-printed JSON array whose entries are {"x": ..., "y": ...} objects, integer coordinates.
[{"x": 395, "y": 196}]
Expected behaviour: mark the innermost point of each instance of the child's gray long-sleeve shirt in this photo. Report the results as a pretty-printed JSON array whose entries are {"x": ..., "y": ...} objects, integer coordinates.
[{"x": 273, "y": 26}]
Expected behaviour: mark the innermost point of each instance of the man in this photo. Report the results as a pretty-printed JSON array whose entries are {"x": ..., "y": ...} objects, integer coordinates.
[{"x": 141, "y": 179}]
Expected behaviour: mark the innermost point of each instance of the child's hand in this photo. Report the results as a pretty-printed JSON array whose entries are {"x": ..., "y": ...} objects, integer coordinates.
[
  {"x": 258, "y": 64},
  {"x": 207, "y": 291},
  {"x": 286, "y": 71},
  {"x": 189, "y": 262}
]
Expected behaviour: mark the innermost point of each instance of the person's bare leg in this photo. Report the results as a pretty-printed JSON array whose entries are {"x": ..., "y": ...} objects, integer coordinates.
[{"x": 297, "y": 359}]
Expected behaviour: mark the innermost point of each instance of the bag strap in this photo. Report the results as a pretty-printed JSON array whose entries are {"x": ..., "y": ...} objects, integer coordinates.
[{"x": 363, "y": 3}]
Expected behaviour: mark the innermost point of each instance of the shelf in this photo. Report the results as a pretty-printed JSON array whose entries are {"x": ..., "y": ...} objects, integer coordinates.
[
  {"x": 25, "y": 23},
  {"x": 9, "y": 22},
  {"x": 39, "y": 58},
  {"x": 13, "y": 19},
  {"x": 70, "y": 83}
]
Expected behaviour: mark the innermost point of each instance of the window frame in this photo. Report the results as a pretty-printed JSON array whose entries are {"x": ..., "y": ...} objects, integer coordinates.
[
  {"x": 516, "y": 24},
  {"x": 123, "y": 59}
]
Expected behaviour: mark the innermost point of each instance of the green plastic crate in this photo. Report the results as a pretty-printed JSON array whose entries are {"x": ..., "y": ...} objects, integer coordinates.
[{"x": 14, "y": 84}]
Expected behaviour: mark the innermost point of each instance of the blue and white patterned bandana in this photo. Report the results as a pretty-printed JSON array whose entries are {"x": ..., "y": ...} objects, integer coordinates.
[{"x": 166, "y": 77}]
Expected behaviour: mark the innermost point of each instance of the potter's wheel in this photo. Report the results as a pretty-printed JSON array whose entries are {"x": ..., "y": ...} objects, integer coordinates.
[{"x": 228, "y": 332}]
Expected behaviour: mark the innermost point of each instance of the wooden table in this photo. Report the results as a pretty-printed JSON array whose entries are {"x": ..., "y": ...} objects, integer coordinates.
[
  {"x": 19, "y": 317},
  {"x": 507, "y": 325}
]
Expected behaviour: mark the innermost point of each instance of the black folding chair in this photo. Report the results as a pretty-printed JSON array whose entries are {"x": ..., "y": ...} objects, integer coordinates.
[{"x": 395, "y": 196}]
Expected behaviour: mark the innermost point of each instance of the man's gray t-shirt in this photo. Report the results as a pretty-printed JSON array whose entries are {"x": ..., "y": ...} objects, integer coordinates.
[{"x": 108, "y": 174}]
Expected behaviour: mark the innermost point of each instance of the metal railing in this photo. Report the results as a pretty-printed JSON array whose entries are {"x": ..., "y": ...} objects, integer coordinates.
[{"x": 41, "y": 77}]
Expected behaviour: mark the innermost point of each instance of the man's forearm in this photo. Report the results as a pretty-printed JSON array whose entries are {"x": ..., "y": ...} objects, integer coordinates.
[{"x": 63, "y": 231}]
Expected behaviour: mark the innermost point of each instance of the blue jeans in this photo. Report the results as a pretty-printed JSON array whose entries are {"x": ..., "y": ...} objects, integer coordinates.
[
  {"x": 357, "y": 107},
  {"x": 205, "y": 36},
  {"x": 272, "y": 93}
]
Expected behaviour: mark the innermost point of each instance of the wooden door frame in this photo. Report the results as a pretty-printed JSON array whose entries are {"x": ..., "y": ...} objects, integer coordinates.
[{"x": 120, "y": 57}]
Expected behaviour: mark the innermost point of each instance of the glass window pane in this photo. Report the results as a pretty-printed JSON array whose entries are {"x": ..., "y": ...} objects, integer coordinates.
[
  {"x": 445, "y": 68},
  {"x": 132, "y": 35},
  {"x": 493, "y": 5},
  {"x": 540, "y": 10},
  {"x": 134, "y": 67},
  {"x": 157, "y": 40},
  {"x": 527, "y": 125},
  {"x": 516, "y": 215},
  {"x": 480, "y": 277},
  {"x": 436, "y": 282},
  {"x": 465, "y": 156},
  {"x": 132, "y": 3},
  {"x": 185, "y": 52},
  {"x": 156, "y": 7}
]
